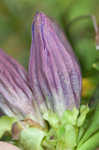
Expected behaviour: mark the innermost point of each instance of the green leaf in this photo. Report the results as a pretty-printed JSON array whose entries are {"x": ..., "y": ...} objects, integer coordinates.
[
  {"x": 93, "y": 127},
  {"x": 81, "y": 32},
  {"x": 6, "y": 124},
  {"x": 96, "y": 66},
  {"x": 85, "y": 126},
  {"x": 91, "y": 144},
  {"x": 83, "y": 42},
  {"x": 81, "y": 8}
]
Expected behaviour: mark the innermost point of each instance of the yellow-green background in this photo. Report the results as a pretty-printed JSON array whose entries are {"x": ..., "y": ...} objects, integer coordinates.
[{"x": 16, "y": 17}]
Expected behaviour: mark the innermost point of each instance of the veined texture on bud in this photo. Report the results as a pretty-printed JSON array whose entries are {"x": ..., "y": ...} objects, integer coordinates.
[
  {"x": 54, "y": 73},
  {"x": 16, "y": 98}
]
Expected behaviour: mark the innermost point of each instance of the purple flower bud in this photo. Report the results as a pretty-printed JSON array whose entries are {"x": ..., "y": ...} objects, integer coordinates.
[
  {"x": 16, "y": 98},
  {"x": 54, "y": 73}
]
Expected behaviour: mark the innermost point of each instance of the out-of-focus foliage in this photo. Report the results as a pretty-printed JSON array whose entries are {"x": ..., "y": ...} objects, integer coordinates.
[
  {"x": 16, "y": 17},
  {"x": 81, "y": 31},
  {"x": 73, "y": 15}
]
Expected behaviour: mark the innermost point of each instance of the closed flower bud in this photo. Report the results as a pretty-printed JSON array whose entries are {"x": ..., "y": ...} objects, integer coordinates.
[
  {"x": 16, "y": 98},
  {"x": 54, "y": 73}
]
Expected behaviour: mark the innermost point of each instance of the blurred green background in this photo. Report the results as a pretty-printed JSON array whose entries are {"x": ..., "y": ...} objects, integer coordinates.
[{"x": 74, "y": 17}]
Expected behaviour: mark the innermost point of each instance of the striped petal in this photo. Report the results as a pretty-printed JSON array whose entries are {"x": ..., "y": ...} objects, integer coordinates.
[
  {"x": 54, "y": 73},
  {"x": 16, "y": 98}
]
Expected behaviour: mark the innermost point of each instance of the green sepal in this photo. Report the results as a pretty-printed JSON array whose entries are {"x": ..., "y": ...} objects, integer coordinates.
[
  {"x": 70, "y": 117},
  {"x": 31, "y": 139},
  {"x": 6, "y": 124},
  {"x": 64, "y": 130},
  {"x": 51, "y": 118},
  {"x": 83, "y": 113},
  {"x": 72, "y": 131},
  {"x": 70, "y": 135}
]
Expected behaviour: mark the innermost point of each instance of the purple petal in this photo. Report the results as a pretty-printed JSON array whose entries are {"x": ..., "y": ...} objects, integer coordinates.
[
  {"x": 75, "y": 76},
  {"x": 53, "y": 70},
  {"x": 16, "y": 97}
]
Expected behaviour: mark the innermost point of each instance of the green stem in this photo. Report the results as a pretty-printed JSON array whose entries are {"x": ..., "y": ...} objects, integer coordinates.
[{"x": 91, "y": 144}]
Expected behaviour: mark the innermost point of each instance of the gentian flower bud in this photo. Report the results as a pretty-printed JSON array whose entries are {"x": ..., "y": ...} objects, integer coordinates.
[
  {"x": 54, "y": 73},
  {"x": 44, "y": 94},
  {"x": 16, "y": 98}
]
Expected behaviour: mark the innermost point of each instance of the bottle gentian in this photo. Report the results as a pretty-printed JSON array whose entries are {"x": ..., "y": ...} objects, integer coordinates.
[
  {"x": 53, "y": 68},
  {"x": 54, "y": 78},
  {"x": 48, "y": 93},
  {"x": 16, "y": 98}
]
